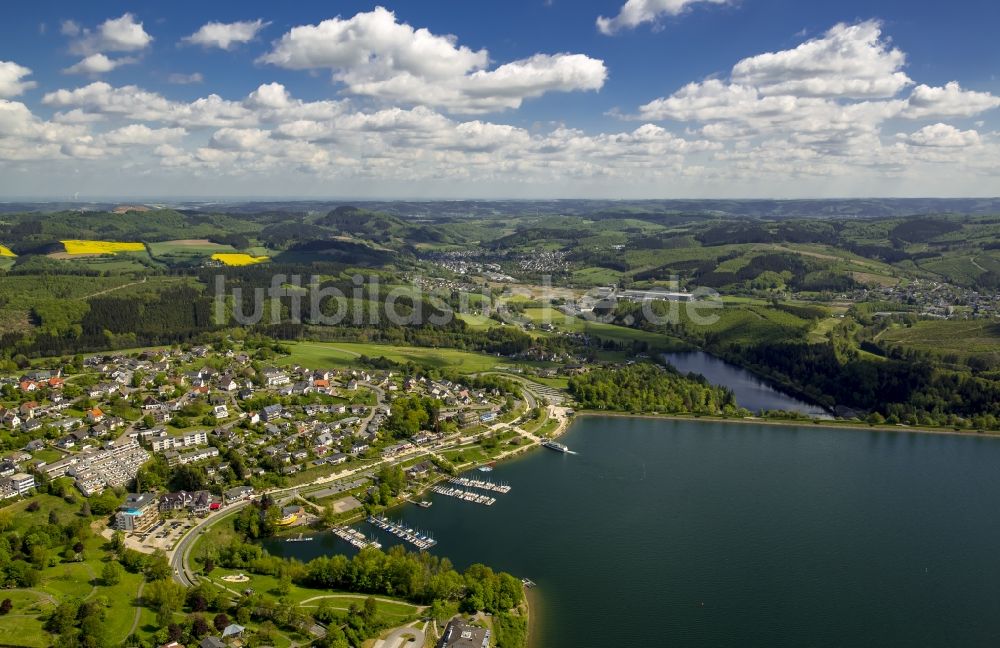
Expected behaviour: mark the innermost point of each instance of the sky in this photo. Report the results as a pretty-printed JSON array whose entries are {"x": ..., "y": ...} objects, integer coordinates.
[{"x": 488, "y": 99}]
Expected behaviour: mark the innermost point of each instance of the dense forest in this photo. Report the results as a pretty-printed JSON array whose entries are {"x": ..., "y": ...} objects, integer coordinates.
[{"x": 645, "y": 387}]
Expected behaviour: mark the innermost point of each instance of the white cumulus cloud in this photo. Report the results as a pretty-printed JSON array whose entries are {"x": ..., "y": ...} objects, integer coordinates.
[
  {"x": 11, "y": 79},
  {"x": 142, "y": 135},
  {"x": 636, "y": 12},
  {"x": 97, "y": 64},
  {"x": 942, "y": 136},
  {"x": 848, "y": 61},
  {"x": 226, "y": 35},
  {"x": 374, "y": 55},
  {"x": 949, "y": 101},
  {"x": 122, "y": 34}
]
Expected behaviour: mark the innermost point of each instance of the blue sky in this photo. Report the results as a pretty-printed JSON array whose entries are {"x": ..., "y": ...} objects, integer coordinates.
[{"x": 609, "y": 98}]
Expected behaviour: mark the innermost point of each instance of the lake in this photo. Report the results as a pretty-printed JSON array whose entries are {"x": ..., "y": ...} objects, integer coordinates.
[
  {"x": 686, "y": 533},
  {"x": 751, "y": 392}
]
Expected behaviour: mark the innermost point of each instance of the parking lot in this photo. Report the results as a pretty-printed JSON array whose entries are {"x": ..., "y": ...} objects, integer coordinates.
[{"x": 164, "y": 535}]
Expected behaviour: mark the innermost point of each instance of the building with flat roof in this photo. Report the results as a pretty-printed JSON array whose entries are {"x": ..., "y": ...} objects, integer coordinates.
[
  {"x": 459, "y": 634},
  {"x": 138, "y": 513},
  {"x": 22, "y": 482}
]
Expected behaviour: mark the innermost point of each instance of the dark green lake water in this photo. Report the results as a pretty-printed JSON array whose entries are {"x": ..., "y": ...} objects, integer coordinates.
[{"x": 673, "y": 533}]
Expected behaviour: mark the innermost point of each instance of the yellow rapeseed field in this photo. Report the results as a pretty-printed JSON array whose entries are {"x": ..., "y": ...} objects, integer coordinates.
[
  {"x": 6, "y": 252},
  {"x": 101, "y": 247},
  {"x": 238, "y": 259}
]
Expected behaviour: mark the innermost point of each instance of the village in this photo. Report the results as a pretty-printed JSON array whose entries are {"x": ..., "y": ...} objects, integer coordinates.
[{"x": 237, "y": 423}]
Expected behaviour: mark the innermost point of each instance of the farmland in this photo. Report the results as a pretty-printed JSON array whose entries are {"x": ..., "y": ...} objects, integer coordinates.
[
  {"x": 238, "y": 259},
  {"x": 79, "y": 247},
  {"x": 342, "y": 354},
  {"x": 602, "y": 330},
  {"x": 959, "y": 338}
]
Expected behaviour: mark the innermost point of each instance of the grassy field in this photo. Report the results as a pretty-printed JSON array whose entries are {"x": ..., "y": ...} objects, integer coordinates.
[
  {"x": 311, "y": 598},
  {"x": 187, "y": 250},
  {"x": 962, "y": 338},
  {"x": 818, "y": 333},
  {"x": 477, "y": 322},
  {"x": 342, "y": 354},
  {"x": 194, "y": 246},
  {"x": 748, "y": 324},
  {"x": 595, "y": 277},
  {"x": 601, "y": 330}
]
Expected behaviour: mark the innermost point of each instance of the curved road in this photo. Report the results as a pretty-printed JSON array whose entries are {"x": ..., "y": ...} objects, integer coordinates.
[
  {"x": 401, "y": 638},
  {"x": 179, "y": 560}
]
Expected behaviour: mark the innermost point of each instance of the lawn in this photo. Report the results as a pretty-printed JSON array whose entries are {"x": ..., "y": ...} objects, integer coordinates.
[
  {"x": 342, "y": 354},
  {"x": 23, "y": 631},
  {"x": 398, "y": 611},
  {"x": 121, "y": 605},
  {"x": 47, "y": 455},
  {"x": 69, "y": 580}
]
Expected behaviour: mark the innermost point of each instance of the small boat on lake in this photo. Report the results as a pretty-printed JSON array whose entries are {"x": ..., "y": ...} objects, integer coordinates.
[
  {"x": 552, "y": 445},
  {"x": 424, "y": 504}
]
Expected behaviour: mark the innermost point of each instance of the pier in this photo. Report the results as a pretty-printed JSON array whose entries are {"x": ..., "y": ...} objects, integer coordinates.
[
  {"x": 465, "y": 495},
  {"x": 355, "y": 538},
  {"x": 414, "y": 537},
  {"x": 482, "y": 484}
]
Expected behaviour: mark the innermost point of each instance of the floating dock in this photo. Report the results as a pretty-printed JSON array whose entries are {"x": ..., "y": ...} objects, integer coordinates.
[
  {"x": 398, "y": 529},
  {"x": 355, "y": 538},
  {"x": 465, "y": 495},
  {"x": 482, "y": 484}
]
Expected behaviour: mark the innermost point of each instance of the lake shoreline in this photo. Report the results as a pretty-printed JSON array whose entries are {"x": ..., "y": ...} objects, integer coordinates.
[{"x": 789, "y": 423}]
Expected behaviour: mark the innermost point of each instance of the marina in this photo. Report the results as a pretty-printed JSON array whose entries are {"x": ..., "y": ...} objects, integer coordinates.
[
  {"x": 413, "y": 536},
  {"x": 355, "y": 538},
  {"x": 717, "y": 489},
  {"x": 467, "y": 496},
  {"x": 481, "y": 484}
]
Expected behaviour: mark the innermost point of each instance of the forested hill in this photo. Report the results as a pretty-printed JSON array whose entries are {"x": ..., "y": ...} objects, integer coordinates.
[{"x": 822, "y": 208}]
